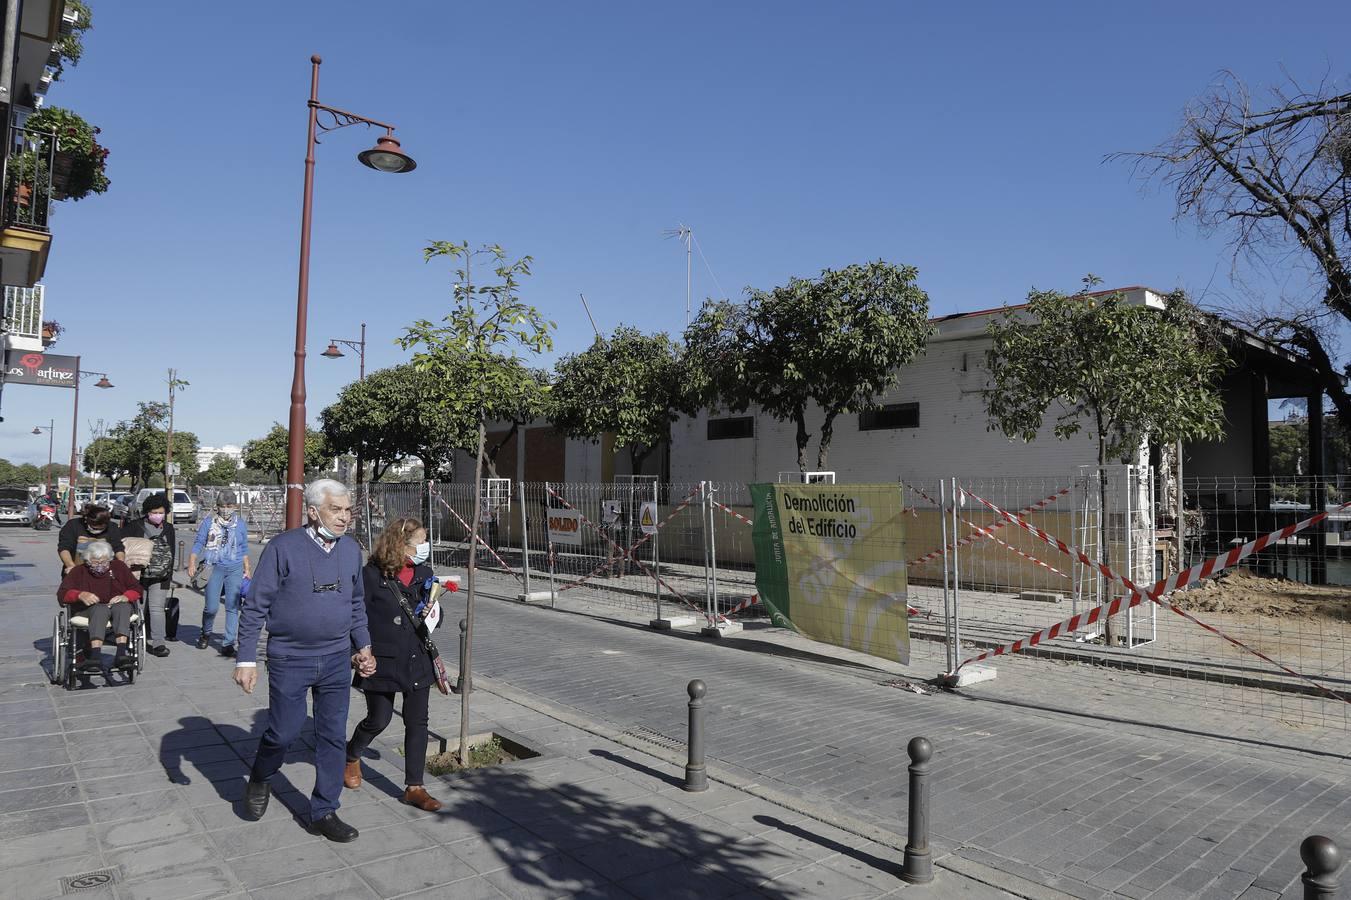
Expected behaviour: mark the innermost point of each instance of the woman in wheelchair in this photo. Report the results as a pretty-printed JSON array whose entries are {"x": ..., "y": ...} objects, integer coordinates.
[{"x": 105, "y": 590}]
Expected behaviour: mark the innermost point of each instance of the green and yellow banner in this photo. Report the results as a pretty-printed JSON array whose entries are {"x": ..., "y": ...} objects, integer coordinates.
[{"x": 830, "y": 563}]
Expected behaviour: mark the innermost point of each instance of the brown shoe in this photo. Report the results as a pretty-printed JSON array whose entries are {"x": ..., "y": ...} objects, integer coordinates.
[
  {"x": 418, "y": 796},
  {"x": 351, "y": 775}
]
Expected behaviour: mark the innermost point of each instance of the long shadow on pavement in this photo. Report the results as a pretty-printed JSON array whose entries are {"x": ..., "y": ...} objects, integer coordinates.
[{"x": 574, "y": 840}]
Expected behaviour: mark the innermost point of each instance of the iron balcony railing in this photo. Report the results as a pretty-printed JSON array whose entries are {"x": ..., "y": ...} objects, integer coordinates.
[
  {"x": 23, "y": 311},
  {"x": 28, "y": 178}
]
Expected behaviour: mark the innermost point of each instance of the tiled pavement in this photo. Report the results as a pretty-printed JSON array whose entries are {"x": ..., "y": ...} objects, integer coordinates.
[{"x": 143, "y": 779}]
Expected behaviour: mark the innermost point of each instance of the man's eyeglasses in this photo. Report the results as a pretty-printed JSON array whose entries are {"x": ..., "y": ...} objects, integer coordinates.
[{"x": 325, "y": 588}]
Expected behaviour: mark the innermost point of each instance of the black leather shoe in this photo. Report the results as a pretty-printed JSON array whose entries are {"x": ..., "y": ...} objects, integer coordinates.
[
  {"x": 227, "y": 651},
  {"x": 160, "y": 651},
  {"x": 335, "y": 829},
  {"x": 256, "y": 795},
  {"x": 203, "y": 642}
]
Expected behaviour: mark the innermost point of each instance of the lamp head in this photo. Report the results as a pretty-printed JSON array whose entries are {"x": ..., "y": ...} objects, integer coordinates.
[
  {"x": 103, "y": 382},
  {"x": 37, "y": 430},
  {"x": 386, "y": 156},
  {"x": 333, "y": 352}
]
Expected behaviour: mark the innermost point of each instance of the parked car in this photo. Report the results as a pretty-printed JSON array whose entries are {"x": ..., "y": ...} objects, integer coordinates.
[
  {"x": 121, "y": 506},
  {"x": 16, "y": 506},
  {"x": 185, "y": 510}
]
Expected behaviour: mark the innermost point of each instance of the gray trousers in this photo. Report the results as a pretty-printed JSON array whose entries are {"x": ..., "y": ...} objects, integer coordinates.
[
  {"x": 100, "y": 615},
  {"x": 156, "y": 593}
]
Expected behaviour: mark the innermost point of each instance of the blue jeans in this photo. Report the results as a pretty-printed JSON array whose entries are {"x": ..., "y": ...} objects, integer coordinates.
[
  {"x": 223, "y": 583},
  {"x": 329, "y": 679}
]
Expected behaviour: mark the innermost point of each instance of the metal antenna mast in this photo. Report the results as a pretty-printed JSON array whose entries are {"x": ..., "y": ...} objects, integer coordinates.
[
  {"x": 589, "y": 316},
  {"x": 686, "y": 234}
]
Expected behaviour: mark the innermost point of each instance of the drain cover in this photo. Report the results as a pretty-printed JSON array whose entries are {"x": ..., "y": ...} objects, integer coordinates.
[
  {"x": 654, "y": 737},
  {"x": 73, "y": 884}
]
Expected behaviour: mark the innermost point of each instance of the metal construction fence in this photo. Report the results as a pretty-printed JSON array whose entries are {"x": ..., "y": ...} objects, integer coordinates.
[{"x": 990, "y": 561}]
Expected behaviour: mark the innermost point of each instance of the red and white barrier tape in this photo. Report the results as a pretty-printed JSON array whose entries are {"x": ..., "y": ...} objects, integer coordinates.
[
  {"x": 679, "y": 596},
  {"x": 733, "y": 513},
  {"x": 1161, "y": 587},
  {"x": 992, "y": 526},
  {"x": 500, "y": 560},
  {"x": 1007, "y": 546},
  {"x": 689, "y": 498}
]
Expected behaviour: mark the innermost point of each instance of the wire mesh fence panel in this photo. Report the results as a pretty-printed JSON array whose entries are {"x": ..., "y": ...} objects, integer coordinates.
[
  {"x": 623, "y": 546},
  {"x": 263, "y": 507},
  {"x": 1255, "y": 643}
]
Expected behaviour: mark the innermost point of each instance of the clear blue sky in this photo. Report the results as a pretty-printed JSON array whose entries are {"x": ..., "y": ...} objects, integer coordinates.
[{"x": 965, "y": 139}]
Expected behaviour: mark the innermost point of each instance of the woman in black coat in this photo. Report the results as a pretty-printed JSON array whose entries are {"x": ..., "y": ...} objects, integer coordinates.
[{"x": 397, "y": 571}]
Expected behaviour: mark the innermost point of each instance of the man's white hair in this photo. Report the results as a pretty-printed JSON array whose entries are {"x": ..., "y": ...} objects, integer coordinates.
[
  {"x": 317, "y": 490},
  {"x": 99, "y": 550}
]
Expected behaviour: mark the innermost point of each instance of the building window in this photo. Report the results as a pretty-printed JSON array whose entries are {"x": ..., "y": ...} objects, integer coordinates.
[
  {"x": 731, "y": 429},
  {"x": 889, "y": 417}
]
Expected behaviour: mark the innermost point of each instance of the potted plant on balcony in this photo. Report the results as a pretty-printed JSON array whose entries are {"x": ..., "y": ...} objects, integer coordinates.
[
  {"x": 79, "y": 161},
  {"x": 51, "y": 332}
]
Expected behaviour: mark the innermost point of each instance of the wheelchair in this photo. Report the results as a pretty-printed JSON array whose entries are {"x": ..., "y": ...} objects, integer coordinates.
[{"x": 67, "y": 627}]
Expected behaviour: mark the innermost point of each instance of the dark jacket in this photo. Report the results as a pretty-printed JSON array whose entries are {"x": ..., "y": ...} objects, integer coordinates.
[
  {"x": 401, "y": 661},
  {"x": 136, "y": 528},
  {"x": 74, "y": 534}
]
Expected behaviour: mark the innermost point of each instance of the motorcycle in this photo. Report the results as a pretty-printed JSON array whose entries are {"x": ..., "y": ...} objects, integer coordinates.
[{"x": 46, "y": 516}]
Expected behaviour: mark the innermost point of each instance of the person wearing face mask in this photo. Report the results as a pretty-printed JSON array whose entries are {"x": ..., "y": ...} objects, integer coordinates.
[
  {"x": 156, "y": 575},
  {"x": 222, "y": 543},
  {"x": 104, "y": 589},
  {"x": 93, "y": 524},
  {"x": 308, "y": 591},
  {"x": 397, "y": 581}
]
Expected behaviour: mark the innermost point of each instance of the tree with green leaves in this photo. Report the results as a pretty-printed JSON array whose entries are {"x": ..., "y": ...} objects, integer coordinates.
[
  {"x": 223, "y": 470},
  {"x": 106, "y": 456},
  {"x": 462, "y": 355},
  {"x": 838, "y": 340},
  {"x": 22, "y": 475},
  {"x": 630, "y": 384},
  {"x": 144, "y": 439},
  {"x": 269, "y": 453},
  {"x": 1129, "y": 374},
  {"x": 387, "y": 418}
]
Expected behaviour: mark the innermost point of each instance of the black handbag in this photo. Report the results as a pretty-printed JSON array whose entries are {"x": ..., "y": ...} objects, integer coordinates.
[{"x": 171, "y": 618}]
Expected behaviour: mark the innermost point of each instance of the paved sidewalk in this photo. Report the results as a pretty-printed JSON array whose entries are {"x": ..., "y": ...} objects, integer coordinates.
[{"x": 144, "y": 780}]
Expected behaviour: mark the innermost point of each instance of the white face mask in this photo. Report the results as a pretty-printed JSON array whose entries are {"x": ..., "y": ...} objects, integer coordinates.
[{"x": 423, "y": 551}]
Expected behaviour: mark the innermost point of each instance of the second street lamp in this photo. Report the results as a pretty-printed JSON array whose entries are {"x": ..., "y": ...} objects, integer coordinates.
[
  {"x": 334, "y": 353},
  {"x": 102, "y": 383},
  {"x": 47, "y": 472},
  {"x": 385, "y": 156}
]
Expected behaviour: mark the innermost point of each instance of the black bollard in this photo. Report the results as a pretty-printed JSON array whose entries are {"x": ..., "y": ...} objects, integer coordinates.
[
  {"x": 696, "y": 778},
  {"x": 465, "y": 685},
  {"x": 918, "y": 867},
  {"x": 1321, "y": 861}
]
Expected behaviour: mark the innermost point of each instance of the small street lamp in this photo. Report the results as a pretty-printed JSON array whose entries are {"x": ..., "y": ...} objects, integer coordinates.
[
  {"x": 102, "y": 383},
  {"x": 385, "y": 156},
  {"x": 51, "y": 435},
  {"x": 359, "y": 346}
]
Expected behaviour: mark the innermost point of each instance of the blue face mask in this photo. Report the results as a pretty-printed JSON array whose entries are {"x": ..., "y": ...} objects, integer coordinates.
[
  {"x": 325, "y": 533},
  {"x": 420, "y": 555}
]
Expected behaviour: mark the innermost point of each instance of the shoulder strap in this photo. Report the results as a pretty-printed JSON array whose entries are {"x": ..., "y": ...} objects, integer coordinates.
[{"x": 418, "y": 625}]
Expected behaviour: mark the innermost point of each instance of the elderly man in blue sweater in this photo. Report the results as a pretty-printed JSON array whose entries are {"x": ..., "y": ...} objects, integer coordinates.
[{"x": 307, "y": 591}]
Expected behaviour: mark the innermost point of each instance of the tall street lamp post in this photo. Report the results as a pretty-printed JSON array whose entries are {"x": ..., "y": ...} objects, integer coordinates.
[
  {"x": 334, "y": 353},
  {"x": 102, "y": 383},
  {"x": 51, "y": 435},
  {"x": 385, "y": 156}
]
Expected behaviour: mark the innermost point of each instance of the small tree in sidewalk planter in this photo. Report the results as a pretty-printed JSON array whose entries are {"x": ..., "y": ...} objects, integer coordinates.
[{"x": 463, "y": 357}]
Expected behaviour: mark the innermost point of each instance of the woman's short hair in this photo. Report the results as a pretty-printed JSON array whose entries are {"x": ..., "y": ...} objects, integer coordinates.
[
  {"x": 316, "y": 490},
  {"x": 154, "y": 501},
  {"x": 96, "y": 550},
  {"x": 389, "y": 552},
  {"x": 94, "y": 514}
]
